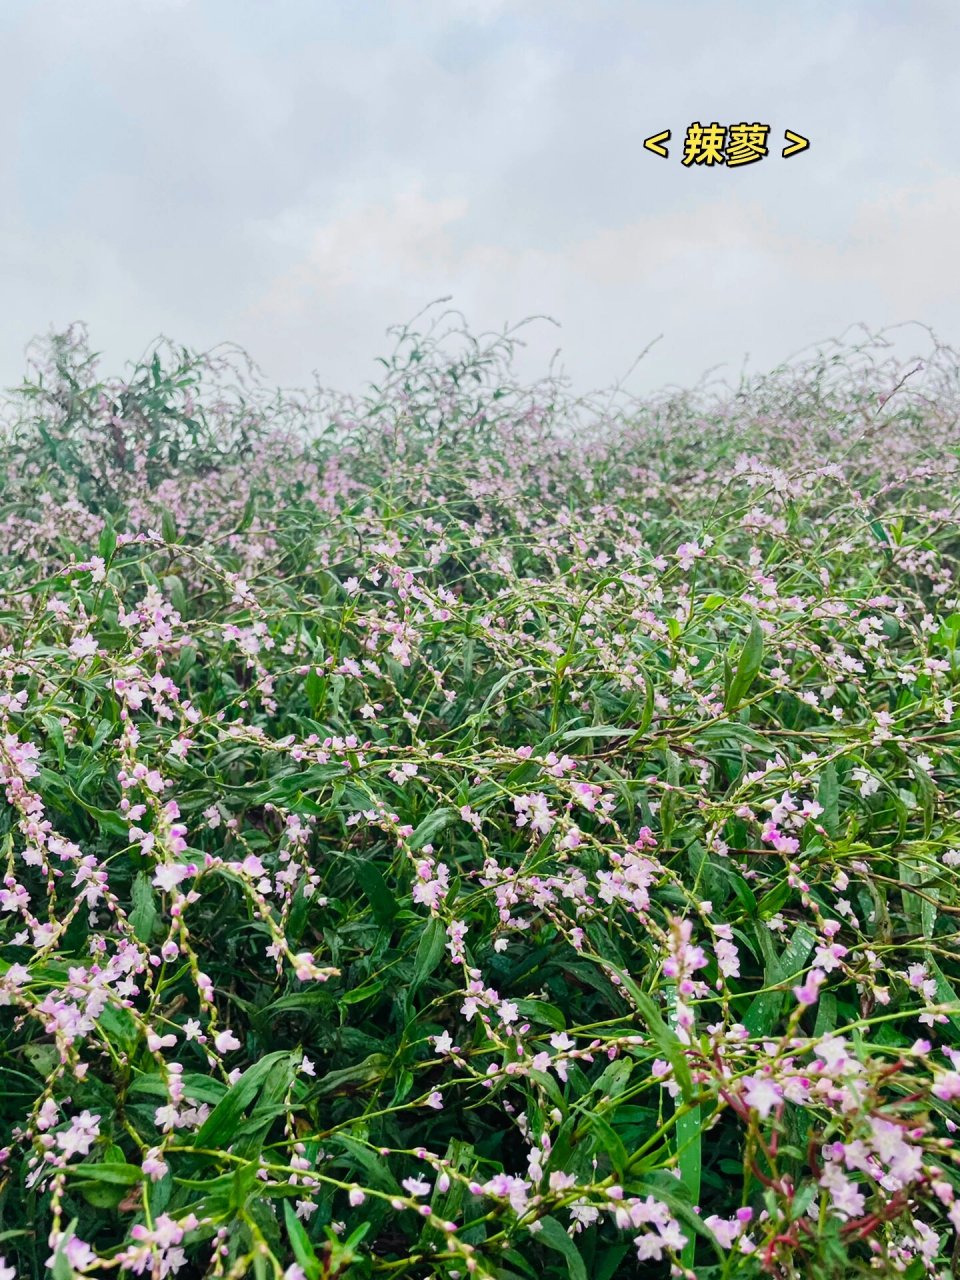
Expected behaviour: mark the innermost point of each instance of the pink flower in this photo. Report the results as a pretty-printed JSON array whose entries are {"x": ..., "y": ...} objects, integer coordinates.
[
  {"x": 84, "y": 646},
  {"x": 76, "y": 1251},
  {"x": 154, "y": 1165},
  {"x": 416, "y": 1186},
  {"x": 947, "y": 1086},
  {"x": 809, "y": 993},
  {"x": 687, "y": 552},
  {"x": 79, "y": 1138},
  {"x": 761, "y": 1094},
  {"x": 843, "y": 1197}
]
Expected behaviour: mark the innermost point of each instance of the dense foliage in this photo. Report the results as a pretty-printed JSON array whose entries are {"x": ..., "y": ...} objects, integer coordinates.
[{"x": 469, "y": 831}]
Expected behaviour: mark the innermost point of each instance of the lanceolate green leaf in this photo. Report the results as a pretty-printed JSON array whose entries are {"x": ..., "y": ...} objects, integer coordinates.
[{"x": 748, "y": 664}]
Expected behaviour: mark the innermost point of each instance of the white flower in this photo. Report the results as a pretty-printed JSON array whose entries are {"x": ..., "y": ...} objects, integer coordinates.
[
  {"x": 443, "y": 1043},
  {"x": 868, "y": 783}
]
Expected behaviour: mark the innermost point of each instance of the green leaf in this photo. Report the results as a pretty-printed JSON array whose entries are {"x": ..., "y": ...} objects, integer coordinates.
[
  {"x": 359, "y": 1157},
  {"x": 828, "y": 795},
  {"x": 596, "y": 731},
  {"x": 646, "y": 719},
  {"x": 120, "y": 1026},
  {"x": 668, "y": 802},
  {"x": 372, "y": 1069},
  {"x": 55, "y": 732},
  {"x": 271, "y": 1102},
  {"x": 542, "y": 1011},
  {"x": 101, "y": 733},
  {"x": 144, "y": 914},
  {"x": 168, "y": 526},
  {"x": 307, "y": 1001},
  {"x": 745, "y": 895},
  {"x": 196, "y": 1087},
  {"x": 552, "y": 1235},
  {"x": 108, "y": 541},
  {"x": 607, "y": 1266},
  {"x": 689, "y": 1157},
  {"x": 609, "y": 1142},
  {"x": 246, "y": 519},
  {"x": 761, "y": 1017},
  {"x": 357, "y": 995},
  {"x": 110, "y": 822},
  {"x": 61, "y": 1268},
  {"x": 431, "y": 826},
  {"x": 300, "y": 1242},
  {"x": 382, "y": 902},
  {"x": 665, "y": 1038},
  {"x": 751, "y": 657},
  {"x": 879, "y": 532},
  {"x": 315, "y": 686},
  {"x": 946, "y": 993},
  {"x": 219, "y": 1127},
  {"x": 119, "y": 1173},
  {"x": 826, "y": 1015},
  {"x": 429, "y": 952},
  {"x": 105, "y": 1185}
]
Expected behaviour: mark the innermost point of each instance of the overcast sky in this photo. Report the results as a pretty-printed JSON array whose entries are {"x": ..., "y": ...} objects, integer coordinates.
[{"x": 297, "y": 175}]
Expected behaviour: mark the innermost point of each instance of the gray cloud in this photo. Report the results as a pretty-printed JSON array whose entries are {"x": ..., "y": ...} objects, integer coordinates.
[{"x": 296, "y": 177}]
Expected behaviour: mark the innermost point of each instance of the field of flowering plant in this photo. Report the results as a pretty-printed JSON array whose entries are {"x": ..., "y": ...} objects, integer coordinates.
[{"x": 470, "y": 831}]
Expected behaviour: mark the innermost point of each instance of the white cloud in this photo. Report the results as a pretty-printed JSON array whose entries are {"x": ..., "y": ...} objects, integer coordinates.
[
  {"x": 298, "y": 177},
  {"x": 375, "y": 243}
]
